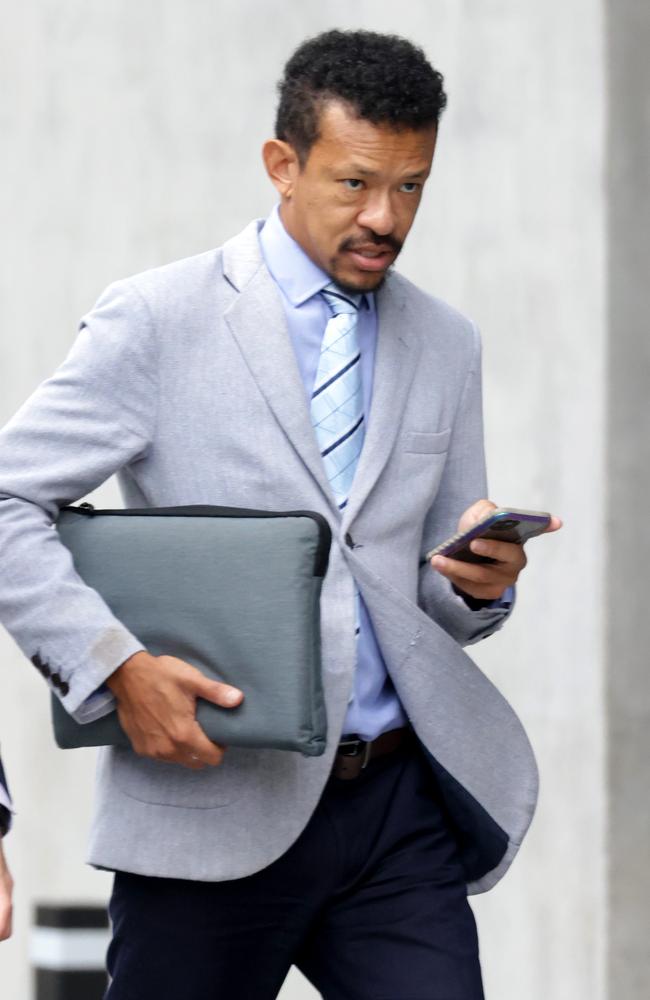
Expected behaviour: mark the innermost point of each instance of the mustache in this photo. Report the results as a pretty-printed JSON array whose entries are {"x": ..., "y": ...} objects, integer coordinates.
[{"x": 355, "y": 243}]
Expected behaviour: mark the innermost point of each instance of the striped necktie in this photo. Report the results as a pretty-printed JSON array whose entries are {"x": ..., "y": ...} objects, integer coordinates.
[{"x": 337, "y": 397}]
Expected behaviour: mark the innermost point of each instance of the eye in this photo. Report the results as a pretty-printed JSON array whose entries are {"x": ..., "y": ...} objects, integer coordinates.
[
  {"x": 353, "y": 183},
  {"x": 410, "y": 187}
]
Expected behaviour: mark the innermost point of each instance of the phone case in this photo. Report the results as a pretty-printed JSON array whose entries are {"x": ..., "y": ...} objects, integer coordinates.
[{"x": 505, "y": 524}]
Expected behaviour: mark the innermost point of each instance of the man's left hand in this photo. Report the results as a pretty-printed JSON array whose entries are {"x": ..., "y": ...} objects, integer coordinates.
[{"x": 486, "y": 581}]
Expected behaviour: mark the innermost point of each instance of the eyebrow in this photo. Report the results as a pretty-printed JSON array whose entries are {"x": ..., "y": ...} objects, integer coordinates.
[{"x": 355, "y": 169}]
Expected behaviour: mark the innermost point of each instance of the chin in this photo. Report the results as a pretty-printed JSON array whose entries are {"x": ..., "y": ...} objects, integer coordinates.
[{"x": 359, "y": 283}]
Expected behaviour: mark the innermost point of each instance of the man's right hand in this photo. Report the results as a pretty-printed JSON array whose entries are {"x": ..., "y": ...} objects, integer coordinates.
[{"x": 156, "y": 704}]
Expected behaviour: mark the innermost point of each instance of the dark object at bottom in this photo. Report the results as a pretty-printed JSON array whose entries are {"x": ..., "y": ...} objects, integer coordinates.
[
  {"x": 68, "y": 950},
  {"x": 54, "y": 984}
]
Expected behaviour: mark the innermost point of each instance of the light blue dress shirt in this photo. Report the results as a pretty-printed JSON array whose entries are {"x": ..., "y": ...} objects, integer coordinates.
[{"x": 374, "y": 706}]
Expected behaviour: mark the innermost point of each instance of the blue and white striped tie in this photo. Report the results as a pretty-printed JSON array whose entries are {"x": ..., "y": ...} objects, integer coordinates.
[
  {"x": 337, "y": 400},
  {"x": 337, "y": 397}
]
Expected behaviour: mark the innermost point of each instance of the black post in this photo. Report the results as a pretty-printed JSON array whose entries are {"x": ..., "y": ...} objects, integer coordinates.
[{"x": 68, "y": 952}]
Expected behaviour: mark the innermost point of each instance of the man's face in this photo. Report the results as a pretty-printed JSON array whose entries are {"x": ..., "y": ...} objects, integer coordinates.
[{"x": 352, "y": 203}]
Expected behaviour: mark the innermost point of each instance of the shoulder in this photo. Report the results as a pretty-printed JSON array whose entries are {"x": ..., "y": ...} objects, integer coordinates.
[
  {"x": 441, "y": 327},
  {"x": 159, "y": 305},
  {"x": 174, "y": 283},
  {"x": 206, "y": 279}
]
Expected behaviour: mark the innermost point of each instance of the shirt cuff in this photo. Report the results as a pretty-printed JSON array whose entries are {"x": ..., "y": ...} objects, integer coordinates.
[
  {"x": 503, "y": 603},
  {"x": 98, "y": 704}
]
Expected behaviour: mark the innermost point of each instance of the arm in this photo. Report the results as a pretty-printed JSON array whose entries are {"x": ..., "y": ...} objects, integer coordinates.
[
  {"x": 95, "y": 415},
  {"x": 463, "y": 483}
]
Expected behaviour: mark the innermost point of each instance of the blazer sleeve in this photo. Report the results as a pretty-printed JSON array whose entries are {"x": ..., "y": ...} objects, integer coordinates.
[
  {"x": 95, "y": 415},
  {"x": 5, "y": 803},
  {"x": 463, "y": 482}
]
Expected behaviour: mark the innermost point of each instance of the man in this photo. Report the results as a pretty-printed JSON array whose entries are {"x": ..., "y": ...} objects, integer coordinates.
[
  {"x": 291, "y": 369},
  {"x": 6, "y": 882}
]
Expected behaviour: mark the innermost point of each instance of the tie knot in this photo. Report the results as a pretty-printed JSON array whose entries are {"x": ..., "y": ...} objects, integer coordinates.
[{"x": 340, "y": 301}]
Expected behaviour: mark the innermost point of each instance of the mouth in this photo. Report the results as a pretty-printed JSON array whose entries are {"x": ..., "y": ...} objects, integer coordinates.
[{"x": 372, "y": 258}]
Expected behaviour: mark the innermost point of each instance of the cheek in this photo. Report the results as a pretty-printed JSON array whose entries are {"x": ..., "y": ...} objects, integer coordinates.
[
  {"x": 330, "y": 220},
  {"x": 406, "y": 216}
]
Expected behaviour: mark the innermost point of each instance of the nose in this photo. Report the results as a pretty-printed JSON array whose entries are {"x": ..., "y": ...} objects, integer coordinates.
[{"x": 377, "y": 214}]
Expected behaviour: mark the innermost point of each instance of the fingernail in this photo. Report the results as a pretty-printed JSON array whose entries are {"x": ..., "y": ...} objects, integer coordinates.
[
  {"x": 478, "y": 546},
  {"x": 232, "y": 696},
  {"x": 438, "y": 561}
]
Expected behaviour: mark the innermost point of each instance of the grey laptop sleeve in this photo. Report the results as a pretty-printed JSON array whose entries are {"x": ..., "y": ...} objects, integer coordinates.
[{"x": 235, "y": 592}]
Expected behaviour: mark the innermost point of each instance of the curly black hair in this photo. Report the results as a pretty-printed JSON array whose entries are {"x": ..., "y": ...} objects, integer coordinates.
[{"x": 386, "y": 80}]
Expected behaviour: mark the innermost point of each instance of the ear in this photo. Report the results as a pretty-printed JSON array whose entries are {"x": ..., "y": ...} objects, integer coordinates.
[{"x": 282, "y": 166}]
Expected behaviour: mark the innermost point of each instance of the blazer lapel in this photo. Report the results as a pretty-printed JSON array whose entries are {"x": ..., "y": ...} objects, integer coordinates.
[
  {"x": 257, "y": 322},
  {"x": 397, "y": 353}
]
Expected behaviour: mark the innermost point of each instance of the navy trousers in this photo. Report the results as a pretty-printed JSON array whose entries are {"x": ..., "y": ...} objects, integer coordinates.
[{"x": 369, "y": 902}]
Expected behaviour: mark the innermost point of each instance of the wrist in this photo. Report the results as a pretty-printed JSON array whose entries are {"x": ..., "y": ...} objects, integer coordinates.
[
  {"x": 116, "y": 680},
  {"x": 473, "y": 603}
]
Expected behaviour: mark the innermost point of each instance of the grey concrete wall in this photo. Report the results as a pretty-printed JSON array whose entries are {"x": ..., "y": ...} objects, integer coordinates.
[
  {"x": 131, "y": 137},
  {"x": 628, "y": 462}
]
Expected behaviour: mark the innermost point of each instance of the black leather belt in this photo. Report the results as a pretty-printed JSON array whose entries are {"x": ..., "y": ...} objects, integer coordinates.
[{"x": 354, "y": 754}]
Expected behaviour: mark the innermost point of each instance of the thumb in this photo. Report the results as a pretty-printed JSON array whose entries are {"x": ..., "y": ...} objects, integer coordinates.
[{"x": 475, "y": 513}]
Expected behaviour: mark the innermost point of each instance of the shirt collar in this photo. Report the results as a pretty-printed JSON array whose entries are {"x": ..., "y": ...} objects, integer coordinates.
[{"x": 290, "y": 267}]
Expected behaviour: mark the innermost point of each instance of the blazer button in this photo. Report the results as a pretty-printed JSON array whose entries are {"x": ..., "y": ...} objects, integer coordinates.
[
  {"x": 349, "y": 540},
  {"x": 64, "y": 687},
  {"x": 40, "y": 665},
  {"x": 56, "y": 680}
]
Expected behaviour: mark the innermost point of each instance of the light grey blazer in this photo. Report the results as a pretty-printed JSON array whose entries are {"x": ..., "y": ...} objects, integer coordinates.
[{"x": 183, "y": 380}]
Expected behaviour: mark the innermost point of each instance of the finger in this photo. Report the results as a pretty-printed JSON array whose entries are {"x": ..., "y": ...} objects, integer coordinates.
[
  {"x": 510, "y": 553},
  {"x": 197, "y": 751},
  {"x": 477, "y": 512},
  {"x": 459, "y": 571},
  {"x": 224, "y": 695},
  {"x": 554, "y": 525}
]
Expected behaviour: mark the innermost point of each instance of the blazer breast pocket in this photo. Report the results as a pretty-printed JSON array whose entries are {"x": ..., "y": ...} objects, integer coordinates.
[{"x": 426, "y": 442}]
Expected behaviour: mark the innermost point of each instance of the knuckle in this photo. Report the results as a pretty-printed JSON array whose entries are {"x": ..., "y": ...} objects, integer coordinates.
[
  {"x": 158, "y": 750},
  {"x": 180, "y": 734}
]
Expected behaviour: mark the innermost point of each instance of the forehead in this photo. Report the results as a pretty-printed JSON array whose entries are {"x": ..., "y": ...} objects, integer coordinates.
[{"x": 344, "y": 137}]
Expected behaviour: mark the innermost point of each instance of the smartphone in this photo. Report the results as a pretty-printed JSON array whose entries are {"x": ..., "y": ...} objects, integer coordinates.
[{"x": 505, "y": 524}]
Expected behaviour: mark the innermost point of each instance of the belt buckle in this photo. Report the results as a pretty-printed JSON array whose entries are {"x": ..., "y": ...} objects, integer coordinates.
[{"x": 352, "y": 748}]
